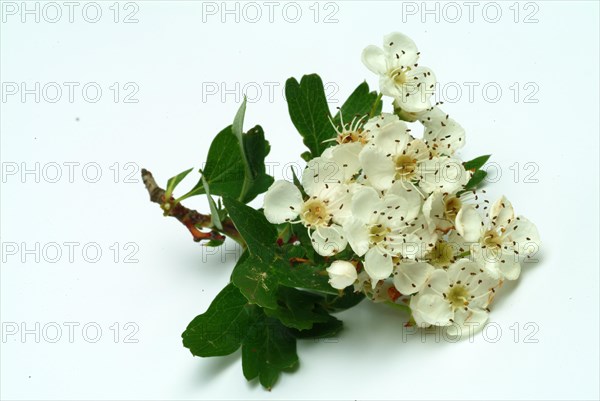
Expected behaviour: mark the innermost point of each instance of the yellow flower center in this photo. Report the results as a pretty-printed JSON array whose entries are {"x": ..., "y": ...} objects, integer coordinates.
[
  {"x": 400, "y": 78},
  {"x": 377, "y": 233},
  {"x": 405, "y": 167},
  {"x": 492, "y": 240},
  {"x": 457, "y": 296},
  {"x": 442, "y": 254},
  {"x": 314, "y": 213},
  {"x": 452, "y": 206},
  {"x": 351, "y": 136}
]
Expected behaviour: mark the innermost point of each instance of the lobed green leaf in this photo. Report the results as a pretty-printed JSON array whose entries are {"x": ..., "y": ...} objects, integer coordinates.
[{"x": 309, "y": 111}]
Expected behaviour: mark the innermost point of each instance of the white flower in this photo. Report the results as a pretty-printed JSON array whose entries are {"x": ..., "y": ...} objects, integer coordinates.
[
  {"x": 394, "y": 155},
  {"x": 341, "y": 274},
  {"x": 457, "y": 297},
  {"x": 440, "y": 210},
  {"x": 498, "y": 244},
  {"x": 410, "y": 276},
  {"x": 349, "y": 133},
  {"x": 382, "y": 228},
  {"x": 447, "y": 250},
  {"x": 323, "y": 212},
  {"x": 343, "y": 158},
  {"x": 399, "y": 74},
  {"x": 443, "y": 135}
]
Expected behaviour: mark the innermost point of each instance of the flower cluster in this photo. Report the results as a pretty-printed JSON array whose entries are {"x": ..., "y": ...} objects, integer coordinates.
[{"x": 397, "y": 196}]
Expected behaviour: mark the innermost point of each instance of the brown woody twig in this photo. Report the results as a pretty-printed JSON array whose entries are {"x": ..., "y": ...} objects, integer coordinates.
[{"x": 191, "y": 219}]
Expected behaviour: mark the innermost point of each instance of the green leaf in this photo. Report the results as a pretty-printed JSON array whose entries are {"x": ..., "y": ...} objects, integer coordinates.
[
  {"x": 237, "y": 129},
  {"x": 330, "y": 328},
  {"x": 236, "y": 171},
  {"x": 252, "y": 225},
  {"x": 224, "y": 169},
  {"x": 343, "y": 300},
  {"x": 253, "y": 274},
  {"x": 476, "y": 163},
  {"x": 268, "y": 349},
  {"x": 238, "y": 121},
  {"x": 214, "y": 212},
  {"x": 255, "y": 279},
  {"x": 359, "y": 104},
  {"x": 476, "y": 179},
  {"x": 297, "y": 309},
  {"x": 256, "y": 149},
  {"x": 174, "y": 181},
  {"x": 268, "y": 266},
  {"x": 309, "y": 111},
  {"x": 304, "y": 275},
  {"x": 219, "y": 331}
]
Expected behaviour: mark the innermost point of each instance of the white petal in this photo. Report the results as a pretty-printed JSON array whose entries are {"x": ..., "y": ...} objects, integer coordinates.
[
  {"x": 502, "y": 212},
  {"x": 467, "y": 322},
  {"x": 509, "y": 265},
  {"x": 328, "y": 241},
  {"x": 413, "y": 240},
  {"x": 380, "y": 121},
  {"x": 377, "y": 265},
  {"x": 405, "y": 115},
  {"x": 410, "y": 277},
  {"x": 525, "y": 234},
  {"x": 374, "y": 59},
  {"x": 469, "y": 223},
  {"x": 389, "y": 87},
  {"x": 379, "y": 169},
  {"x": 486, "y": 260},
  {"x": 503, "y": 265},
  {"x": 390, "y": 138},
  {"x": 438, "y": 281},
  {"x": 282, "y": 202},
  {"x": 357, "y": 233},
  {"x": 345, "y": 156},
  {"x": 414, "y": 95},
  {"x": 365, "y": 202},
  {"x": 341, "y": 274},
  {"x": 461, "y": 270},
  {"x": 478, "y": 283},
  {"x": 410, "y": 201},
  {"x": 339, "y": 203},
  {"x": 446, "y": 174},
  {"x": 401, "y": 50},
  {"x": 434, "y": 310},
  {"x": 442, "y": 132},
  {"x": 416, "y": 315},
  {"x": 320, "y": 173},
  {"x": 433, "y": 209}
]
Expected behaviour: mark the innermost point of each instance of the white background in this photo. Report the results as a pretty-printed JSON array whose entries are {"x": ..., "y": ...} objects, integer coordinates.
[{"x": 174, "y": 54}]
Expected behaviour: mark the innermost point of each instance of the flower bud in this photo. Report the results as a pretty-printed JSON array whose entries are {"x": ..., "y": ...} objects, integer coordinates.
[{"x": 341, "y": 274}]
